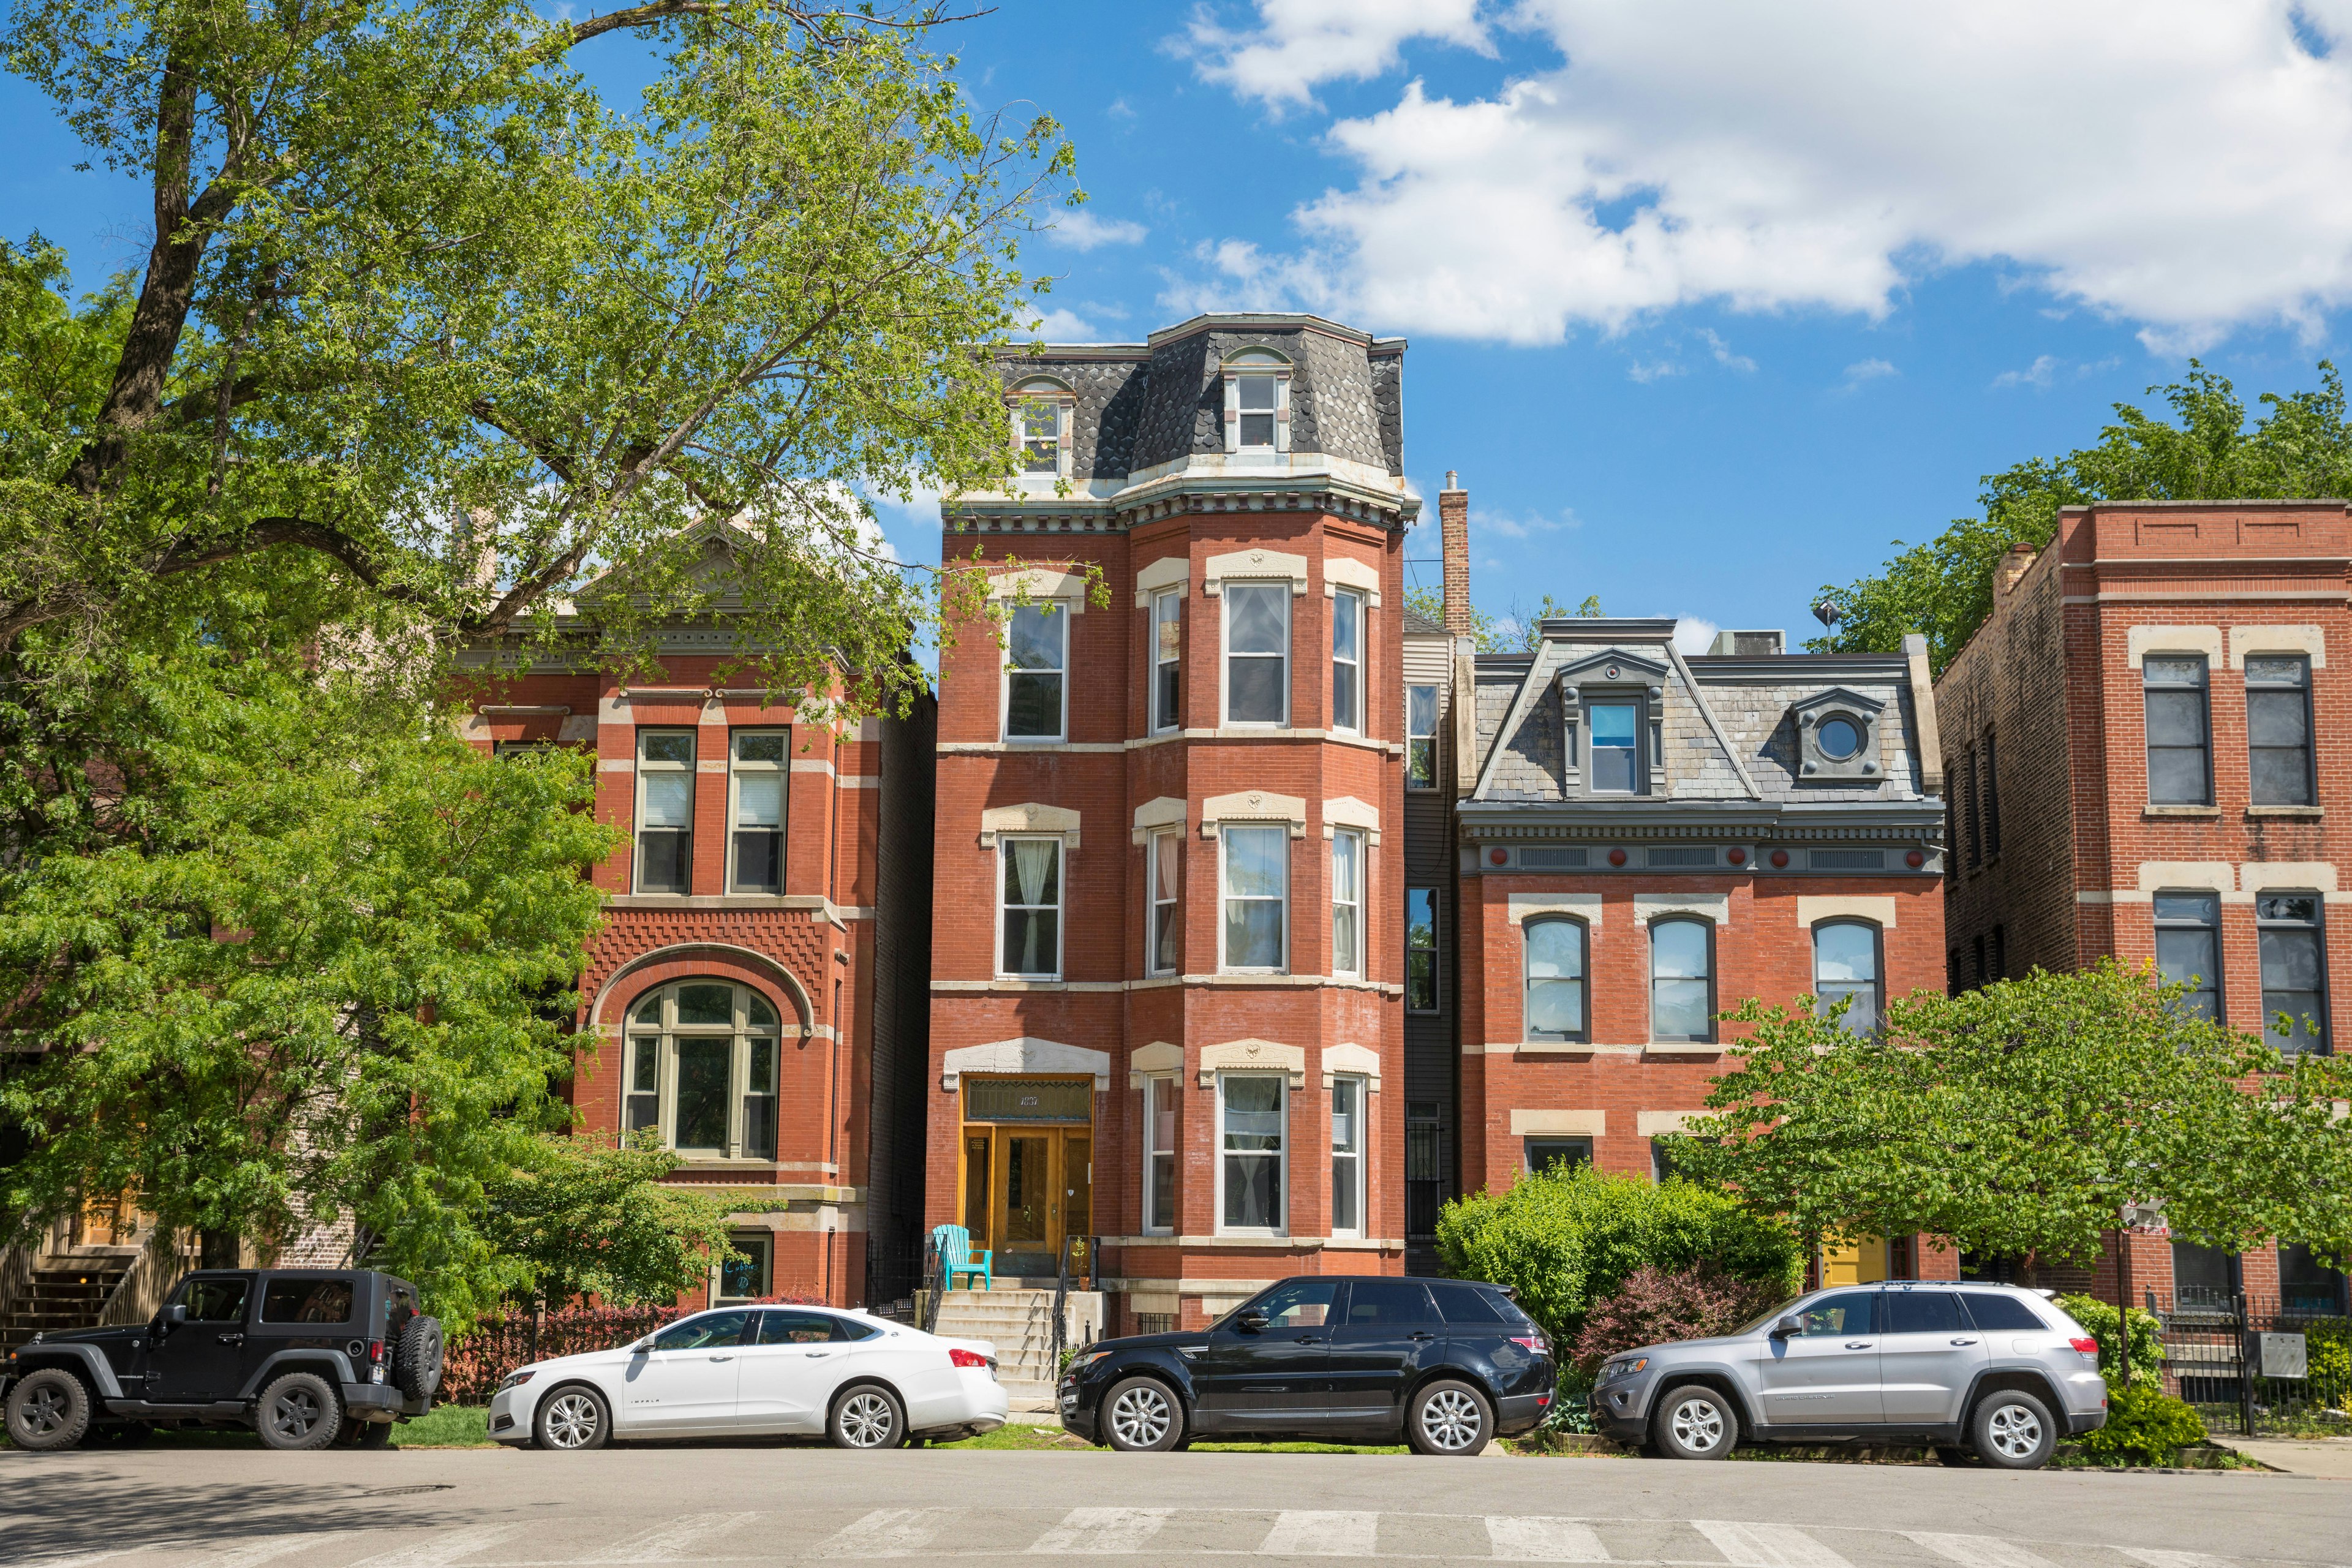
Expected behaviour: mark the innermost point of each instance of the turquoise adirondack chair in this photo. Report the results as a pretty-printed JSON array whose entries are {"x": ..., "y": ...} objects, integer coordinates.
[{"x": 956, "y": 1256}]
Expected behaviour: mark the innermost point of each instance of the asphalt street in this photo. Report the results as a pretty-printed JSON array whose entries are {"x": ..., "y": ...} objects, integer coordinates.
[{"x": 718, "y": 1506}]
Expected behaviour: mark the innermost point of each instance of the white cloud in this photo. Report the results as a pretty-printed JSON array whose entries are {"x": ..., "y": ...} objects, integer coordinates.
[
  {"x": 1693, "y": 635},
  {"x": 2040, "y": 372},
  {"x": 1082, "y": 230},
  {"x": 1722, "y": 352},
  {"x": 1300, "y": 44},
  {"x": 2182, "y": 164},
  {"x": 1511, "y": 527},
  {"x": 1647, "y": 372},
  {"x": 1061, "y": 326},
  {"x": 1864, "y": 370}
]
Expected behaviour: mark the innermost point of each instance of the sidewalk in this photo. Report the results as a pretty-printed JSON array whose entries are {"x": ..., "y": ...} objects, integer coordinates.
[{"x": 2327, "y": 1456}]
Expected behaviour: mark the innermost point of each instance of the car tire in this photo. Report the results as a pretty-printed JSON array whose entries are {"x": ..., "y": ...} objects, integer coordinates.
[
  {"x": 2011, "y": 1430},
  {"x": 1141, "y": 1415},
  {"x": 297, "y": 1413},
  {"x": 48, "y": 1410},
  {"x": 1694, "y": 1421},
  {"x": 572, "y": 1420},
  {"x": 866, "y": 1415},
  {"x": 1450, "y": 1419},
  {"x": 1957, "y": 1458},
  {"x": 418, "y": 1357}
]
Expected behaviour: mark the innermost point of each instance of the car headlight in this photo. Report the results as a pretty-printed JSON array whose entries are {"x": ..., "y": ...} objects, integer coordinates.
[
  {"x": 1617, "y": 1369},
  {"x": 1080, "y": 1362},
  {"x": 517, "y": 1379}
]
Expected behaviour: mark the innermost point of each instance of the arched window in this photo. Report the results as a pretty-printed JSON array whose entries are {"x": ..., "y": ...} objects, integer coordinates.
[
  {"x": 1845, "y": 964},
  {"x": 1682, "y": 980},
  {"x": 701, "y": 1069},
  {"x": 1556, "y": 968}
]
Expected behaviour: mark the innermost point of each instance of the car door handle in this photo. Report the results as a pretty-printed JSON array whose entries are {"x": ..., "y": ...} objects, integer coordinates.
[
  {"x": 818, "y": 1355},
  {"x": 228, "y": 1338},
  {"x": 1964, "y": 1341},
  {"x": 1308, "y": 1340},
  {"x": 722, "y": 1358},
  {"x": 1858, "y": 1344},
  {"x": 1420, "y": 1337}
]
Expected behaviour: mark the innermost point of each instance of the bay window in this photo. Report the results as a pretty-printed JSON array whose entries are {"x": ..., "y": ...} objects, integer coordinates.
[
  {"x": 1348, "y": 1155},
  {"x": 1164, "y": 950},
  {"x": 1257, "y": 898},
  {"x": 1037, "y": 666},
  {"x": 1253, "y": 1161},
  {"x": 1167, "y": 660},
  {"x": 1257, "y": 653},
  {"x": 1347, "y": 660},
  {"x": 1159, "y": 1155},
  {"x": 1348, "y": 903}
]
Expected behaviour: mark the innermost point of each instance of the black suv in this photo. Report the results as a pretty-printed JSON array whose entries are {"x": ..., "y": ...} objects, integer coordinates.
[
  {"x": 1448, "y": 1364},
  {"x": 305, "y": 1357}
]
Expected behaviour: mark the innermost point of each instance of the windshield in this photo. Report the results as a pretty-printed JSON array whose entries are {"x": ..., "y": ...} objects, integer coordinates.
[{"x": 1752, "y": 1325}]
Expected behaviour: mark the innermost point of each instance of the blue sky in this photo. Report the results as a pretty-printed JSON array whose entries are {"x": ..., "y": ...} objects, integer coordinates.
[{"x": 1708, "y": 302}]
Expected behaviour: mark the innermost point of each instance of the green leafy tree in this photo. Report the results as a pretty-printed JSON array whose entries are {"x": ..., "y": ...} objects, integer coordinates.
[
  {"x": 2301, "y": 446},
  {"x": 586, "y": 1216},
  {"x": 2024, "y": 1117},
  {"x": 314, "y": 978},
  {"x": 1565, "y": 1241}
]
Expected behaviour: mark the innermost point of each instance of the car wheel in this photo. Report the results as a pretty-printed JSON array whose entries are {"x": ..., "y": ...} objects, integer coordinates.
[
  {"x": 48, "y": 1409},
  {"x": 1694, "y": 1421},
  {"x": 572, "y": 1420},
  {"x": 867, "y": 1417},
  {"x": 2013, "y": 1431},
  {"x": 1449, "y": 1418},
  {"x": 1140, "y": 1415},
  {"x": 297, "y": 1413},
  {"x": 376, "y": 1435}
]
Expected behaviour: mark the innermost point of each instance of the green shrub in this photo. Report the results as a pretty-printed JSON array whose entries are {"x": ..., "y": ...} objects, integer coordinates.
[
  {"x": 1567, "y": 1240},
  {"x": 2328, "y": 1343},
  {"x": 2145, "y": 1427},
  {"x": 2146, "y": 1348}
]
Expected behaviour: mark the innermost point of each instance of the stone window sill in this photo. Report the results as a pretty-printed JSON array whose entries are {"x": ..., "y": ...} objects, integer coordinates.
[
  {"x": 2297, "y": 813},
  {"x": 2208, "y": 811},
  {"x": 1683, "y": 1048}
]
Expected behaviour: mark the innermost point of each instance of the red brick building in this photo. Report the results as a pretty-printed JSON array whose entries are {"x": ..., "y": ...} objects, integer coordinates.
[
  {"x": 1646, "y": 839},
  {"x": 2147, "y": 747},
  {"x": 1166, "y": 958},
  {"x": 756, "y": 991}
]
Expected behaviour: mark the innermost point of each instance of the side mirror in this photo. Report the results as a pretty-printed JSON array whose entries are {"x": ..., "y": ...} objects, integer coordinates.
[
  {"x": 1250, "y": 1322},
  {"x": 1788, "y": 1326},
  {"x": 172, "y": 1316}
]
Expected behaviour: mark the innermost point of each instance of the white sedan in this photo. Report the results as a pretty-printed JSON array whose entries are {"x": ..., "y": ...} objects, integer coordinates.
[{"x": 864, "y": 1382}]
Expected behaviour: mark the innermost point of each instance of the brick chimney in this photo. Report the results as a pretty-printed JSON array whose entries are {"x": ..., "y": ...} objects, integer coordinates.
[
  {"x": 2009, "y": 568},
  {"x": 1453, "y": 530}
]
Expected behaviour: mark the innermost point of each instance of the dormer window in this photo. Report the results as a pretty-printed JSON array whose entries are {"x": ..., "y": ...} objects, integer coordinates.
[
  {"x": 1042, "y": 411},
  {"x": 1838, "y": 738},
  {"x": 1257, "y": 403}
]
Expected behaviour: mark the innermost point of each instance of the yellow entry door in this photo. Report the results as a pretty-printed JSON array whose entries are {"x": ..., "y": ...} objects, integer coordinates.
[{"x": 1039, "y": 1191}]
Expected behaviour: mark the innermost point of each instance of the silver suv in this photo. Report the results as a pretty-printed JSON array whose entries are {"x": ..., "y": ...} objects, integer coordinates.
[{"x": 1993, "y": 1368}]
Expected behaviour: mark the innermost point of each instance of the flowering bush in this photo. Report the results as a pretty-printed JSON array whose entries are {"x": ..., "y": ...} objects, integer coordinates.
[{"x": 1657, "y": 1306}]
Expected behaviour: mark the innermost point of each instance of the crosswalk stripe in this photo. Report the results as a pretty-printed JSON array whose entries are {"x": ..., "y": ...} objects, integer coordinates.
[
  {"x": 1533, "y": 1538},
  {"x": 884, "y": 1533},
  {"x": 667, "y": 1542},
  {"x": 443, "y": 1549},
  {"x": 1306, "y": 1533},
  {"x": 2157, "y": 1557},
  {"x": 1767, "y": 1545},
  {"x": 1979, "y": 1551},
  {"x": 1090, "y": 1530},
  {"x": 268, "y": 1548}
]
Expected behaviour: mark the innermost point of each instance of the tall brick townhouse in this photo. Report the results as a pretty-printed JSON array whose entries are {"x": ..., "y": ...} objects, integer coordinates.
[
  {"x": 757, "y": 993},
  {"x": 1643, "y": 840},
  {"x": 2149, "y": 751},
  {"x": 1168, "y": 988}
]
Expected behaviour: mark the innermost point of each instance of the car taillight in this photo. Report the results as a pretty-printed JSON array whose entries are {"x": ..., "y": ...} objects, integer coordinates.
[
  {"x": 376, "y": 1353},
  {"x": 1532, "y": 1343},
  {"x": 966, "y": 1358},
  {"x": 1542, "y": 1400},
  {"x": 2086, "y": 1344}
]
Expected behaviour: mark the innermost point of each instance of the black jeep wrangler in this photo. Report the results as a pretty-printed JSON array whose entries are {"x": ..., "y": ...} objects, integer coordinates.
[{"x": 306, "y": 1357}]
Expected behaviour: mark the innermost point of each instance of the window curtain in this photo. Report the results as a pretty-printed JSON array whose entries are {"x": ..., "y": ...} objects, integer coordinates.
[{"x": 1033, "y": 872}]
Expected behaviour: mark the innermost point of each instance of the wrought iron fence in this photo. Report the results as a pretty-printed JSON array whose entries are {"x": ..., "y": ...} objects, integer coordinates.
[{"x": 2255, "y": 1365}]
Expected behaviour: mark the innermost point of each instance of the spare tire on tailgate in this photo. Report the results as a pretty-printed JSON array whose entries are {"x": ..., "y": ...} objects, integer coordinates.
[{"x": 417, "y": 1358}]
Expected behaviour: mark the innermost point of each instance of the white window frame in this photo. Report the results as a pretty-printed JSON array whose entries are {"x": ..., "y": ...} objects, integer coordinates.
[
  {"x": 1167, "y": 610},
  {"x": 1253, "y": 362},
  {"x": 1154, "y": 846},
  {"x": 637, "y": 820},
  {"x": 1061, "y": 905},
  {"x": 1045, "y": 393},
  {"x": 1225, "y": 656},
  {"x": 1225, "y": 896},
  {"x": 742, "y": 1032},
  {"x": 737, "y": 767},
  {"x": 1353, "y": 839},
  {"x": 1358, "y": 1158},
  {"x": 1160, "y": 1095},
  {"x": 1351, "y": 721},
  {"x": 1061, "y": 615},
  {"x": 1281, "y": 1156}
]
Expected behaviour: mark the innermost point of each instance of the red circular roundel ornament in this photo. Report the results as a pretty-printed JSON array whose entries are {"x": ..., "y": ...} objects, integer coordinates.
[
  {"x": 1780, "y": 859},
  {"x": 1616, "y": 857}
]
